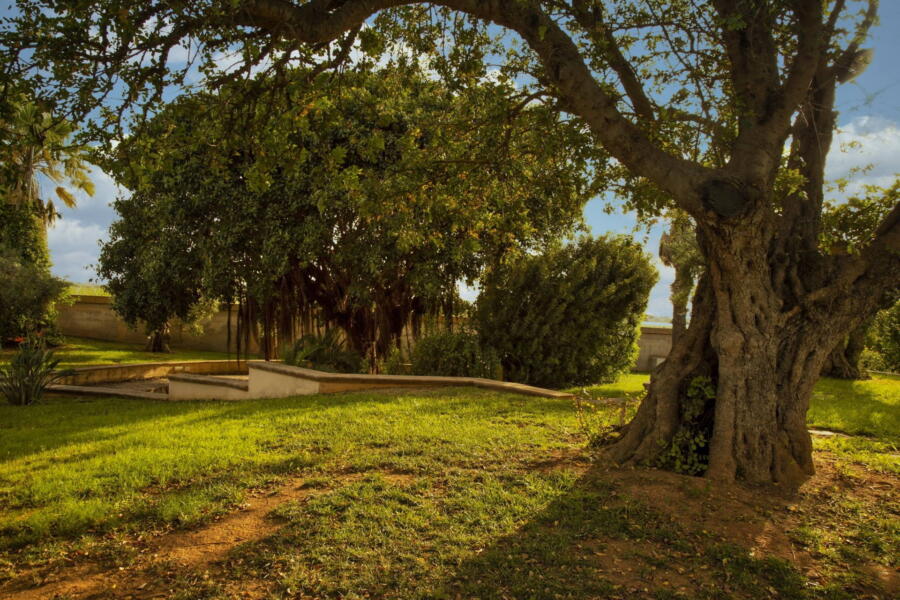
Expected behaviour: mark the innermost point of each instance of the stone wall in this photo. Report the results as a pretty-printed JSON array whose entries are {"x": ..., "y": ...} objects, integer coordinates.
[
  {"x": 93, "y": 317},
  {"x": 654, "y": 345}
]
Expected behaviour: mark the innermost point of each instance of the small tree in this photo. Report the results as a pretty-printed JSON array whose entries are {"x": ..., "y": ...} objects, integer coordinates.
[
  {"x": 847, "y": 227},
  {"x": 569, "y": 316},
  {"x": 151, "y": 272}
]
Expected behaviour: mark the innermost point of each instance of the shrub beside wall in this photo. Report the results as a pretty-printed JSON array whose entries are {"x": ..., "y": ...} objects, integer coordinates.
[
  {"x": 570, "y": 316},
  {"x": 882, "y": 351},
  {"x": 454, "y": 354}
]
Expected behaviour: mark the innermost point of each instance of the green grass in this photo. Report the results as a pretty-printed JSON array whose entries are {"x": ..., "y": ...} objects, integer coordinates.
[
  {"x": 88, "y": 289},
  {"x": 421, "y": 494},
  {"x": 869, "y": 407},
  {"x": 82, "y": 352}
]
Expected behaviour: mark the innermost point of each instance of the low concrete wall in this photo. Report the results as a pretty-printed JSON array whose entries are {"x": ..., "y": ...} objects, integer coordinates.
[
  {"x": 275, "y": 380},
  {"x": 93, "y": 317},
  {"x": 193, "y": 387},
  {"x": 118, "y": 373}
]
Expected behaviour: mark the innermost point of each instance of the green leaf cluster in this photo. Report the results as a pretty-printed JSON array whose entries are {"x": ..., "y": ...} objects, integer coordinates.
[
  {"x": 30, "y": 371},
  {"x": 454, "y": 354},
  {"x": 28, "y": 292},
  {"x": 883, "y": 341}
]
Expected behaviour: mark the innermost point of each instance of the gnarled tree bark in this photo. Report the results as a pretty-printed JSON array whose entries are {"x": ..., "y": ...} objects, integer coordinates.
[{"x": 771, "y": 306}]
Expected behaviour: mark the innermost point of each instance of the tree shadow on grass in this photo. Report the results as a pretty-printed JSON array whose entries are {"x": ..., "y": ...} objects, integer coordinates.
[{"x": 612, "y": 536}]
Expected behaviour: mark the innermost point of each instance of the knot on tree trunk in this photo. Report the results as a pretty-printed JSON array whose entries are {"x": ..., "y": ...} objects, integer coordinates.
[{"x": 725, "y": 198}]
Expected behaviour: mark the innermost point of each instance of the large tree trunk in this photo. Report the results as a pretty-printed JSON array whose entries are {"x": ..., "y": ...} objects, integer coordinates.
[
  {"x": 843, "y": 362},
  {"x": 761, "y": 361}
]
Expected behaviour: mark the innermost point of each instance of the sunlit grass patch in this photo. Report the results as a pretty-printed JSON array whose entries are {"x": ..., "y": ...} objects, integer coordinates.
[{"x": 83, "y": 352}]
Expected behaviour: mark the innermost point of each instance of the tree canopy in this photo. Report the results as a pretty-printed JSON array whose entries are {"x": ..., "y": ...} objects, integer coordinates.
[
  {"x": 697, "y": 102},
  {"x": 367, "y": 198}
]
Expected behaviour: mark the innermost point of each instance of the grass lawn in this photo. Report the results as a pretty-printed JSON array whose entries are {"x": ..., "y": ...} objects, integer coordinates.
[
  {"x": 82, "y": 352},
  {"x": 455, "y": 493},
  {"x": 88, "y": 289}
]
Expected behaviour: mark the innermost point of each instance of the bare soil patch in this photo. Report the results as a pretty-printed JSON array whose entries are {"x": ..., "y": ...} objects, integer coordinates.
[{"x": 163, "y": 558}]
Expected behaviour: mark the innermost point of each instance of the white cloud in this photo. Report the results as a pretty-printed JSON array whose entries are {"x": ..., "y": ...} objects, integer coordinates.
[
  {"x": 871, "y": 143},
  {"x": 74, "y": 247},
  {"x": 74, "y": 238}
]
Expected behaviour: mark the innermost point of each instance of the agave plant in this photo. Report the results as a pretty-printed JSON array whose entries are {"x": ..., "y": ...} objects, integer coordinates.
[{"x": 30, "y": 372}]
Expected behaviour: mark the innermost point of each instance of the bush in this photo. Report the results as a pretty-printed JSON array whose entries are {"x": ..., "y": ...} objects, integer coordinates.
[
  {"x": 883, "y": 341},
  {"x": 28, "y": 296},
  {"x": 570, "y": 316},
  {"x": 324, "y": 353},
  {"x": 396, "y": 363},
  {"x": 454, "y": 354},
  {"x": 29, "y": 373}
]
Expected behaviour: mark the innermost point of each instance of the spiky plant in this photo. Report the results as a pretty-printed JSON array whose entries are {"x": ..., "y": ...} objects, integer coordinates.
[{"x": 30, "y": 372}]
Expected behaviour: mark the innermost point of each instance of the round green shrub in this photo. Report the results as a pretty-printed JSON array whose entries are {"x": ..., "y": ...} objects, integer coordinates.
[{"x": 569, "y": 316}]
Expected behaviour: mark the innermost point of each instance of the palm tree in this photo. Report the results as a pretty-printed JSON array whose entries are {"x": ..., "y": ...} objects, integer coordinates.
[{"x": 37, "y": 148}]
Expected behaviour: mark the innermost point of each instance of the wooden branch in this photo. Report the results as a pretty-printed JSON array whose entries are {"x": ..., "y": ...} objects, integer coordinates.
[
  {"x": 591, "y": 20},
  {"x": 862, "y": 32},
  {"x": 319, "y": 21},
  {"x": 865, "y": 276}
]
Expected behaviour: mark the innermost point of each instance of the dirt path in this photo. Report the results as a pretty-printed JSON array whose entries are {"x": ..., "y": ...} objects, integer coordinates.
[{"x": 195, "y": 549}]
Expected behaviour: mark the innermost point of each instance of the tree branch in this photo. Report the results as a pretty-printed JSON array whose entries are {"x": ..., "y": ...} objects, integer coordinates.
[
  {"x": 591, "y": 20},
  {"x": 320, "y": 21}
]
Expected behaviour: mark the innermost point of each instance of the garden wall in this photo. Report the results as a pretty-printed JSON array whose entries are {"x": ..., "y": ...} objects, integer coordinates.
[{"x": 93, "y": 317}]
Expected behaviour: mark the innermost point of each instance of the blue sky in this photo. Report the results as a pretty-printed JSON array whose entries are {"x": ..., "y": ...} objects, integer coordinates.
[{"x": 869, "y": 114}]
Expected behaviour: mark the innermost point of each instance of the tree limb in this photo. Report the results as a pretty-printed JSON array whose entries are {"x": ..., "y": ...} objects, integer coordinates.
[{"x": 319, "y": 21}]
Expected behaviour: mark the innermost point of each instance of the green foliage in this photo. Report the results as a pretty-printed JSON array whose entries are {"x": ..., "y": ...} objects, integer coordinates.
[
  {"x": 31, "y": 370},
  {"x": 848, "y": 226},
  {"x": 326, "y": 352},
  {"x": 366, "y": 198},
  {"x": 454, "y": 354},
  {"x": 28, "y": 296},
  {"x": 36, "y": 145},
  {"x": 883, "y": 341},
  {"x": 396, "y": 363},
  {"x": 150, "y": 271},
  {"x": 569, "y": 316},
  {"x": 688, "y": 451},
  {"x": 22, "y": 232}
]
